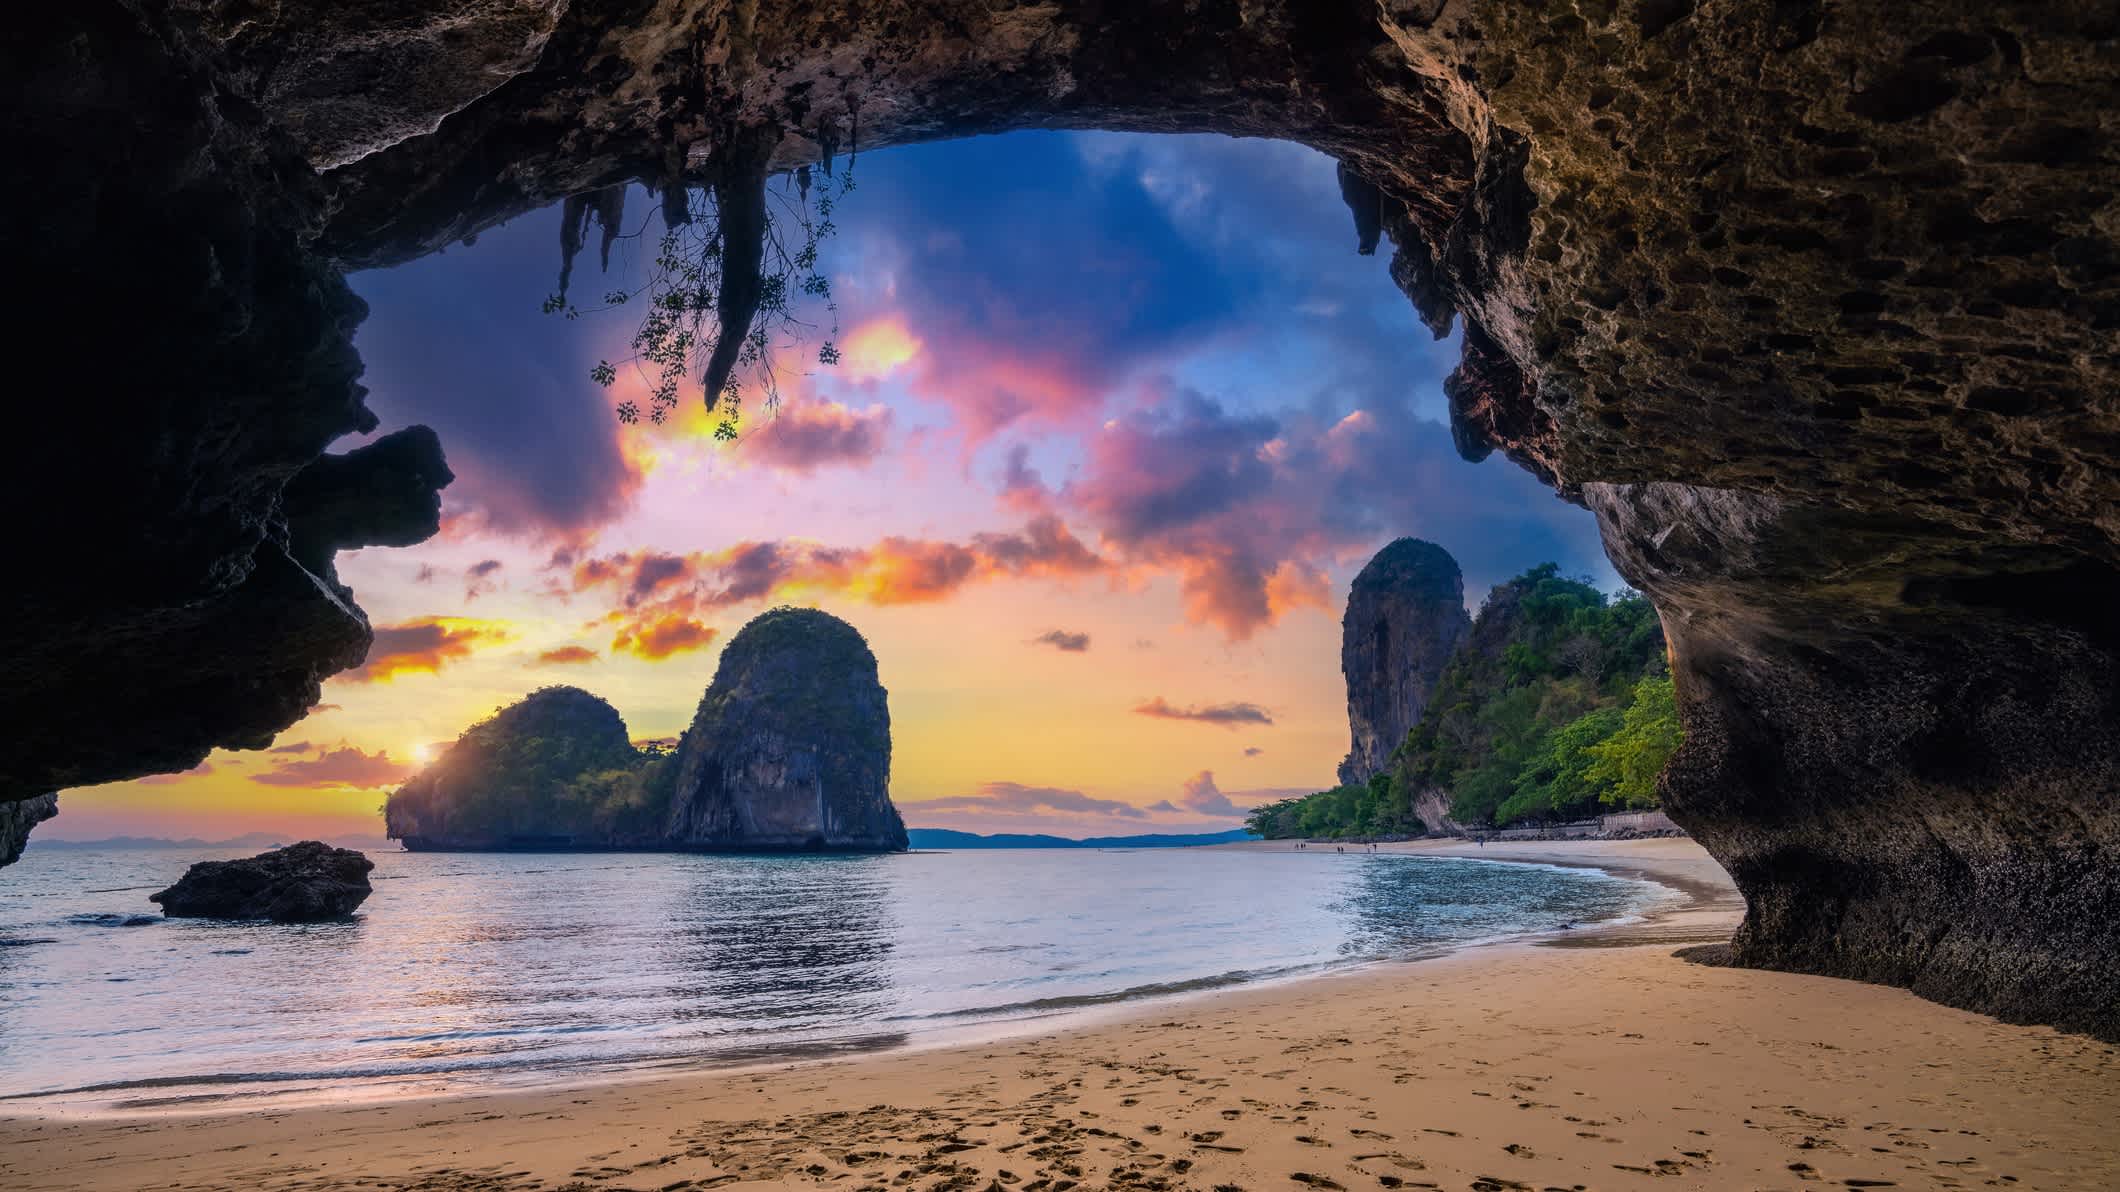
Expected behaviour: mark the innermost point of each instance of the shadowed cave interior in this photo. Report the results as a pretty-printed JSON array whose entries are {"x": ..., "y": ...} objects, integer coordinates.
[{"x": 1814, "y": 306}]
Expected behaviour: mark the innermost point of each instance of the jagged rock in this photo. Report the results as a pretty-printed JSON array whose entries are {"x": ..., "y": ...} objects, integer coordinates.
[
  {"x": 297, "y": 884},
  {"x": 791, "y": 746},
  {"x": 1405, "y": 614},
  {"x": 1914, "y": 788},
  {"x": 523, "y": 779},
  {"x": 387, "y": 493},
  {"x": 17, "y": 818},
  {"x": 319, "y": 64},
  {"x": 1431, "y": 806}
]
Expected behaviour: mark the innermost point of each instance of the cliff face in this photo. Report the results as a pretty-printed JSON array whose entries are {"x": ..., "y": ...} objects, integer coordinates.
[
  {"x": 791, "y": 747},
  {"x": 1742, "y": 270},
  {"x": 555, "y": 769},
  {"x": 16, "y": 820},
  {"x": 1405, "y": 614},
  {"x": 1919, "y": 794}
]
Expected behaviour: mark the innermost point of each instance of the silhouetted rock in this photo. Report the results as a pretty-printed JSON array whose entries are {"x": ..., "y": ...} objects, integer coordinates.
[
  {"x": 553, "y": 770},
  {"x": 18, "y": 817},
  {"x": 1405, "y": 614},
  {"x": 297, "y": 884},
  {"x": 791, "y": 746}
]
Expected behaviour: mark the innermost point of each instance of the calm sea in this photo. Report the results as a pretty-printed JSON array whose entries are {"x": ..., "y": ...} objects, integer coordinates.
[{"x": 465, "y": 971}]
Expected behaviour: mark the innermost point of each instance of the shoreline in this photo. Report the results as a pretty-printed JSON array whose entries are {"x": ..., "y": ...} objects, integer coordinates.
[
  {"x": 207, "y": 1095},
  {"x": 1603, "y": 1062}
]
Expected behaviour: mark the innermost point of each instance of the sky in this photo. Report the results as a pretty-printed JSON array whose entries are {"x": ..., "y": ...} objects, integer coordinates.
[{"x": 1115, "y": 421}]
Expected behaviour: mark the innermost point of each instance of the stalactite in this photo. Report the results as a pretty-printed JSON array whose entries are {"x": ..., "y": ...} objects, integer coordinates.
[
  {"x": 676, "y": 196},
  {"x": 608, "y": 204},
  {"x": 610, "y": 212},
  {"x": 573, "y": 229},
  {"x": 740, "y": 201},
  {"x": 1367, "y": 203}
]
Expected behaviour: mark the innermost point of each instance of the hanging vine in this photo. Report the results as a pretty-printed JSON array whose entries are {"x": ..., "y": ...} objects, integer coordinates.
[{"x": 734, "y": 285}]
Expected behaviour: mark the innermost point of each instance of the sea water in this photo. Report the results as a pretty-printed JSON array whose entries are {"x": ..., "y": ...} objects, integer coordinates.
[{"x": 465, "y": 971}]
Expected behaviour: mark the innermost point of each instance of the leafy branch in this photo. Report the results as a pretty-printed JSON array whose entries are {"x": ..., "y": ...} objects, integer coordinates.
[{"x": 734, "y": 281}]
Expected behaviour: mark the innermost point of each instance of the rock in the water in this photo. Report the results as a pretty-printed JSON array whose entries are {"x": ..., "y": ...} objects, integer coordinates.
[
  {"x": 297, "y": 884},
  {"x": 17, "y": 818},
  {"x": 1405, "y": 615},
  {"x": 791, "y": 747},
  {"x": 553, "y": 770}
]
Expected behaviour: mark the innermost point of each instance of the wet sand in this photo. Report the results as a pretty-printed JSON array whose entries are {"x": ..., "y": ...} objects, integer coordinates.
[{"x": 1524, "y": 1066}]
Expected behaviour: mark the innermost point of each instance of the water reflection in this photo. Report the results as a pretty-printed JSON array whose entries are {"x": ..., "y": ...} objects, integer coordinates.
[
  {"x": 795, "y": 941},
  {"x": 482, "y": 970}
]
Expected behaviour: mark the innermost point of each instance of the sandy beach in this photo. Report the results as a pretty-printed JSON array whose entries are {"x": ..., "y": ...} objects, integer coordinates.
[{"x": 1601, "y": 1063}]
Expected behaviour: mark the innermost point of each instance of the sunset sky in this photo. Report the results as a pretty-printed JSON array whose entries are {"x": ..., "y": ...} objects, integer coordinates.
[{"x": 1117, "y": 419}]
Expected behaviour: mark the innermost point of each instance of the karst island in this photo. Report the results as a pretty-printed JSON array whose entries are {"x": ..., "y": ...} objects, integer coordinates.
[{"x": 790, "y": 751}]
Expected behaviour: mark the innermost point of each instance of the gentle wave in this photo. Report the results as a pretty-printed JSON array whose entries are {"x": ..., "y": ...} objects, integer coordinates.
[{"x": 466, "y": 971}]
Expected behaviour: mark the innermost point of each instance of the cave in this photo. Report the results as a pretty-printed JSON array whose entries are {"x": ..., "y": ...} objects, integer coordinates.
[{"x": 1815, "y": 306}]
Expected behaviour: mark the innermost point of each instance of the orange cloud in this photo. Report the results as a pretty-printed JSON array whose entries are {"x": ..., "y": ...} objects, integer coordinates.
[
  {"x": 1294, "y": 585},
  {"x": 894, "y": 571},
  {"x": 423, "y": 645},
  {"x": 567, "y": 655},
  {"x": 877, "y": 348},
  {"x": 337, "y": 768},
  {"x": 911, "y": 571},
  {"x": 660, "y": 637}
]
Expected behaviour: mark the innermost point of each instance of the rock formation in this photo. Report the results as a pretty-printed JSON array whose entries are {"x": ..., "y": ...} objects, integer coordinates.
[
  {"x": 552, "y": 770},
  {"x": 1832, "y": 285},
  {"x": 790, "y": 749},
  {"x": 16, "y": 820},
  {"x": 1405, "y": 614},
  {"x": 791, "y": 746},
  {"x": 301, "y": 883}
]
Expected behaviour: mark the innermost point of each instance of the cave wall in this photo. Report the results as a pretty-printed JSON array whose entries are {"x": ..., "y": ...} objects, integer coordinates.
[
  {"x": 1833, "y": 289},
  {"x": 179, "y": 355},
  {"x": 1902, "y": 742}
]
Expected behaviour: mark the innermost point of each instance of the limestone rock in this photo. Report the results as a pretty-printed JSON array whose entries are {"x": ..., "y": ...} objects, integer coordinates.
[
  {"x": 16, "y": 820},
  {"x": 1405, "y": 614},
  {"x": 791, "y": 747},
  {"x": 301, "y": 883}
]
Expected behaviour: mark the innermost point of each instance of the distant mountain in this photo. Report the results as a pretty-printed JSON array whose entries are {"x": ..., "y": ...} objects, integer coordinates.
[
  {"x": 246, "y": 840},
  {"x": 947, "y": 838}
]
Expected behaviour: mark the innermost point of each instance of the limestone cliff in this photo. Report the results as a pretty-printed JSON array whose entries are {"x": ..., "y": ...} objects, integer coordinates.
[
  {"x": 16, "y": 820},
  {"x": 1405, "y": 614},
  {"x": 791, "y": 747}
]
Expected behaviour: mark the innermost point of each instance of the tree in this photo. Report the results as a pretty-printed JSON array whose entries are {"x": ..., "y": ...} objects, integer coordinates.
[
  {"x": 1557, "y": 779},
  {"x": 1628, "y": 762}
]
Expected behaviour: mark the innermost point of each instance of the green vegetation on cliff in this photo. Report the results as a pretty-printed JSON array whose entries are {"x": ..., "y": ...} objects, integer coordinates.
[
  {"x": 790, "y": 749},
  {"x": 558, "y": 763},
  {"x": 1557, "y": 705}
]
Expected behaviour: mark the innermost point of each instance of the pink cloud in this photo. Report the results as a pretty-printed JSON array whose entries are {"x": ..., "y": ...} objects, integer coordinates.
[{"x": 809, "y": 434}]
